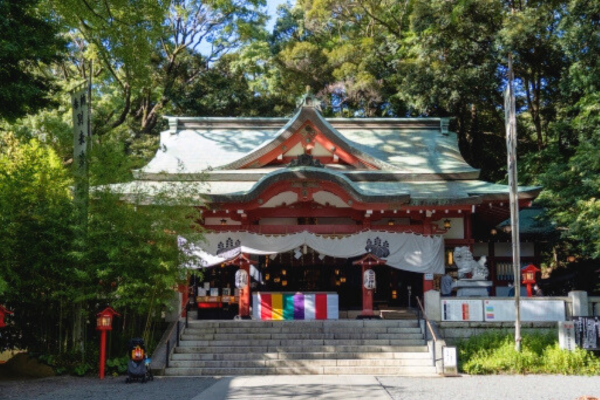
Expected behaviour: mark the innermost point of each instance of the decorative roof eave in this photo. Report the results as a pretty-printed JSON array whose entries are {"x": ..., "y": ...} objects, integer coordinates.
[
  {"x": 524, "y": 193},
  {"x": 257, "y": 174},
  {"x": 308, "y": 114},
  {"x": 181, "y": 123},
  {"x": 409, "y": 199},
  {"x": 410, "y": 194},
  {"x": 300, "y": 174}
]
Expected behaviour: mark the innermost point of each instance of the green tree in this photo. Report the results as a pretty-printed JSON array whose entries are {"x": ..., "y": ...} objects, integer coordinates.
[
  {"x": 35, "y": 224},
  {"x": 569, "y": 168},
  {"x": 140, "y": 47},
  {"x": 29, "y": 44}
]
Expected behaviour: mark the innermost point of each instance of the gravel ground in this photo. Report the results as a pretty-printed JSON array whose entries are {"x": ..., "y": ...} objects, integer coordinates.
[
  {"x": 74, "y": 388},
  {"x": 533, "y": 387},
  {"x": 495, "y": 387}
]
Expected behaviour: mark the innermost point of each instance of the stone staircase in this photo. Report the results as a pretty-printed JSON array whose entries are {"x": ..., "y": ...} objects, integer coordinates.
[{"x": 342, "y": 347}]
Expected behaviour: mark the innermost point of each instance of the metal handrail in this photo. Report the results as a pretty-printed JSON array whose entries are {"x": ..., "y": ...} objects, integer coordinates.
[
  {"x": 428, "y": 327},
  {"x": 176, "y": 328}
]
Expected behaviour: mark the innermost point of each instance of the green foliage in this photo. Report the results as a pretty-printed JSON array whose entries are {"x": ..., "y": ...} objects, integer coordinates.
[
  {"x": 494, "y": 353},
  {"x": 129, "y": 257},
  {"x": 72, "y": 363},
  {"x": 117, "y": 366},
  {"x": 140, "y": 50},
  {"x": 29, "y": 43}
]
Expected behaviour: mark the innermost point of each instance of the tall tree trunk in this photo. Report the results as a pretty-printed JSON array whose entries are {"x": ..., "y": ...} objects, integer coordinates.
[{"x": 78, "y": 326}]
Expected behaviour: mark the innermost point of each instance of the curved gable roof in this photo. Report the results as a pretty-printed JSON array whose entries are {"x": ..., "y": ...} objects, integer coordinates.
[{"x": 395, "y": 145}]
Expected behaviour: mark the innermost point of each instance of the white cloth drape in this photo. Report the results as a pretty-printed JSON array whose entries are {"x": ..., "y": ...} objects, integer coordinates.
[{"x": 405, "y": 251}]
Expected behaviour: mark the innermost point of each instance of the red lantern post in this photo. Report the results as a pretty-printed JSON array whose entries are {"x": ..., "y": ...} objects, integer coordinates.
[
  {"x": 528, "y": 277},
  {"x": 3, "y": 312},
  {"x": 103, "y": 324},
  {"x": 242, "y": 282},
  {"x": 366, "y": 262}
]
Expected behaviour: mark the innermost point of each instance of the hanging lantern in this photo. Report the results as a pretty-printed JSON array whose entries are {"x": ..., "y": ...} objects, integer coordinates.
[
  {"x": 3, "y": 312},
  {"x": 104, "y": 319}
]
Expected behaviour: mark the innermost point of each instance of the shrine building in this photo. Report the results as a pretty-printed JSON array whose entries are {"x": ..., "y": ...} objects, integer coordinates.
[{"x": 359, "y": 213}]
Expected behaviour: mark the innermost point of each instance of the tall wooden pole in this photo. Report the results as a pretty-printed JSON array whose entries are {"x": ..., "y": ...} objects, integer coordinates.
[
  {"x": 81, "y": 104},
  {"x": 511, "y": 147}
]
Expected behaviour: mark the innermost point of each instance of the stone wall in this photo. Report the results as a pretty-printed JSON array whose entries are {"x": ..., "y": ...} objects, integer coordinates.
[
  {"x": 454, "y": 331},
  {"x": 576, "y": 304}
]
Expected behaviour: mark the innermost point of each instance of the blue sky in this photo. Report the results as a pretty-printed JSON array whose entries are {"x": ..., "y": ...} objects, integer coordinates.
[
  {"x": 272, "y": 5},
  {"x": 272, "y": 10}
]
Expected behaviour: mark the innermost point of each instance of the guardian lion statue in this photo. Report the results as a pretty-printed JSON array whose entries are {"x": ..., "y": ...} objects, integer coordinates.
[{"x": 467, "y": 265}]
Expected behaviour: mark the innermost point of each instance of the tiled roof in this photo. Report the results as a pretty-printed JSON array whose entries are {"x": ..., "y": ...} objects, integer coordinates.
[
  {"x": 410, "y": 193},
  {"x": 407, "y": 146},
  {"x": 417, "y": 161}
]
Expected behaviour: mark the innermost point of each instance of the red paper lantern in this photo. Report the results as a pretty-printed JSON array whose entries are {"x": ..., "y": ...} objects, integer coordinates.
[{"x": 3, "y": 312}]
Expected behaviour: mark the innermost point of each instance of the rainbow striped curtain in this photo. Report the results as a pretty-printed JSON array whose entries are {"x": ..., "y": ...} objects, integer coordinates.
[{"x": 283, "y": 306}]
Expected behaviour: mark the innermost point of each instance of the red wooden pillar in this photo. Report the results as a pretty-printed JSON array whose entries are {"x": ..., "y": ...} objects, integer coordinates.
[
  {"x": 185, "y": 297},
  {"x": 367, "y": 302},
  {"x": 243, "y": 283},
  {"x": 368, "y": 261},
  {"x": 427, "y": 230},
  {"x": 244, "y": 300},
  {"x": 427, "y": 284}
]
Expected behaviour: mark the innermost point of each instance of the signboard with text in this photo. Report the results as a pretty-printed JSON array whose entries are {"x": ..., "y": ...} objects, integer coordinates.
[
  {"x": 531, "y": 310},
  {"x": 587, "y": 332},
  {"x": 462, "y": 310}
]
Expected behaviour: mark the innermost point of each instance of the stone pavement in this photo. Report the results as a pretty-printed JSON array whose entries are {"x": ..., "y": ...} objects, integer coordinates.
[
  {"x": 503, "y": 387},
  {"x": 301, "y": 387}
]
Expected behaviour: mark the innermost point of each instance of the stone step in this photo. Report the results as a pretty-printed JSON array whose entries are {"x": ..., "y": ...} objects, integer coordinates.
[
  {"x": 422, "y": 355},
  {"x": 259, "y": 363},
  {"x": 329, "y": 324},
  {"x": 195, "y": 329},
  {"x": 308, "y": 370},
  {"x": 349, "y": 347},
  {"x": 300, "y": 336},
  {"x": 295, "y": 343},
  {"x": 296, "y": 349}
]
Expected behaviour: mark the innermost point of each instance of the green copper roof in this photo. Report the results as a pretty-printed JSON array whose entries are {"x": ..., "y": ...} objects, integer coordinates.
[
  {"x": 403, "y": 161},
  {"x": 404, "y": 146},
  {"x": 409, "y": 193}
]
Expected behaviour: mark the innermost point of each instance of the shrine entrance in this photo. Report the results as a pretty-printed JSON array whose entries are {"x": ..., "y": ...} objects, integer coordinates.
[{"x": 284, "y": 272}]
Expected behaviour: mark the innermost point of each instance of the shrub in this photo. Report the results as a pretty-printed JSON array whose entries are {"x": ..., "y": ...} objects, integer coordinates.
[{"x": 494, "y": 353}]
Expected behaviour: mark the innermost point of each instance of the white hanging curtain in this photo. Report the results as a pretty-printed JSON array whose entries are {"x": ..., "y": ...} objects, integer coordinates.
[{"x": 405, "y": 251}]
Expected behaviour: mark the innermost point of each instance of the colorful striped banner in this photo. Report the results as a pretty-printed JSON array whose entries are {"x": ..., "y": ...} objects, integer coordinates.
[{"x": 298, "y": 306}]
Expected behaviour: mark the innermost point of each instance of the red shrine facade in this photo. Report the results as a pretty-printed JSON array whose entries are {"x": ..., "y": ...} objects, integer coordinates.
[{"x": 309, "y": 204}]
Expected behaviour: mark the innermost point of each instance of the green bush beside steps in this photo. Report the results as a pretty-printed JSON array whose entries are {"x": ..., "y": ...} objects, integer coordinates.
[{"x": 494, "y": 353}]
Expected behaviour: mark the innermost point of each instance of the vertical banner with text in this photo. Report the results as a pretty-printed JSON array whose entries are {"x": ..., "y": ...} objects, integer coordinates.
[
  {"x": 81, "y": 129},
  {"x": 82, "y": 137}
]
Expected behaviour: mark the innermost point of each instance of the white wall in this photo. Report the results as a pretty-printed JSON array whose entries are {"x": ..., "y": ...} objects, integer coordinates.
[{"x": 457, "y": 228}]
